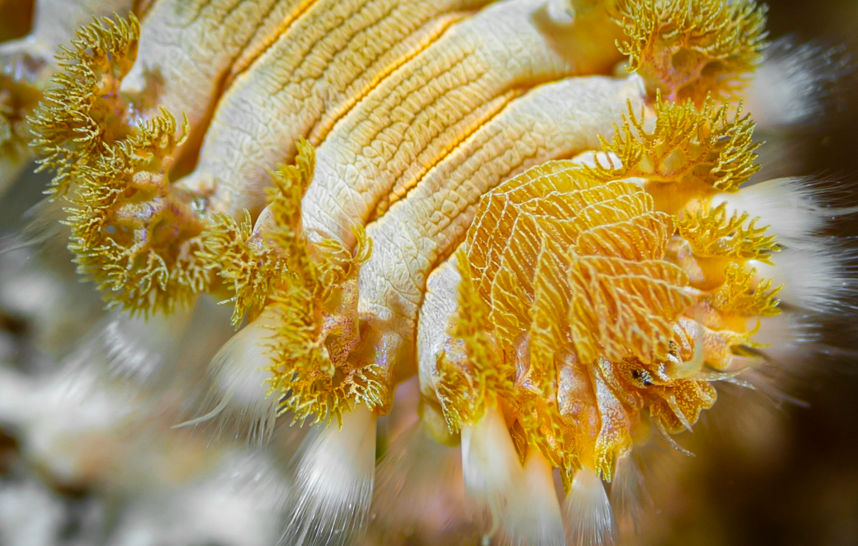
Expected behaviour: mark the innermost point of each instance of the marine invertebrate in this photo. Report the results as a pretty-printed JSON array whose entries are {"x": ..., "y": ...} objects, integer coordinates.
[
  {"x": 27, "y": 63},
  {"x": 609, "y": 269}
]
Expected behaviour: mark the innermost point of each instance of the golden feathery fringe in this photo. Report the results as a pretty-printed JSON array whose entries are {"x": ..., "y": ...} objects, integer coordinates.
[
  {"x": 711, "y": 232},
  {"x": 624, "y": 309},
  {"x": 136, "y": 240},
  {"x": 691, "y": 48},
  {"x": 742, "y": 295},
  {"x": 675, "y": 408},
  {"x": 253, "y": 263},
  {"x": 249, "y": 271},
  {"x": 314, "y": 305},
  {"x": 81, "y": 112},
  {"x": 588, "y": 333},
  {"x": 698, "y": 148},
  {"x": 131, "y": 233}
]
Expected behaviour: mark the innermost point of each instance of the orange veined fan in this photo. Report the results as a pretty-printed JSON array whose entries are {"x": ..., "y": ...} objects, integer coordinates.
[{"x": 482, "y": 259}]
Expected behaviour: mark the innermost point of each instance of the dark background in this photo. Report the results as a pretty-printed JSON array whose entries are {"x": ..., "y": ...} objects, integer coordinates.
[{"x": 799, "y": 485}]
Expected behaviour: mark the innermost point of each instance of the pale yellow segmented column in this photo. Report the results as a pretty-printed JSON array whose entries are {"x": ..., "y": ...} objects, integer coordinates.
[
  {"x": 421, "y": 113},
  {"x": 555, "y": 120},
  {"x": 438, "y": 306},
  {"x": 187, "y": 48},
  {"x": 329, "y": 59}
]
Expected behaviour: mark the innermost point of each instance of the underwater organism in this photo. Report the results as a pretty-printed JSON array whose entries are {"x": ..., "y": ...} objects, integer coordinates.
[{"x": 544, "y": 213}]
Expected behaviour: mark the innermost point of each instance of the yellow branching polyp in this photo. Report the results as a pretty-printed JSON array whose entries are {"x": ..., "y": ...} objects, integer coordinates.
[
  {"x": 742, "y": 295},
  {"x": 134, "y": 236},
  {"x": 81, "y": 114},
  {"x": 128, "y": 232},
  {"x": 254, "y": 263},
  {"x": 473, "y": 378},
  {"x": 314, "y": 306},
  {"x": 712, "y": 232},
  {"x": 690, "y": 48},
  {"x": 701, "y": 149}
]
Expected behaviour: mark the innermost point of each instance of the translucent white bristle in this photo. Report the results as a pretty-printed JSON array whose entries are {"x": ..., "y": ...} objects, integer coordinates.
[
  {"x": 235, "y": 502},
  {"x": 792, "y": 83},
  {"x": 334, "y": 481},
  {"x": 238, "y": 389},
  {"x": 490, "y": 468},
  {"x": 587, "y": 512},
  {"x": 814, "y": 279},
  {"x": 790, "y": 351},
  {"x": 628, "y": 496},
  {"x": 134, "y": 348},
  {"x": 787, "y": 338},
  {"x": 60, "y": 413},
  {"x": 533, "y": 514},
  {"x": 786, "y": 205},
  {"x": 43, "y": 227}
]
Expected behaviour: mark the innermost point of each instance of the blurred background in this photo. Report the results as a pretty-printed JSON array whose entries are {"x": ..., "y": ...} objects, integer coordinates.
[
  {"x": 766, "y": 470},
  {"x": 791, "y": 478}
]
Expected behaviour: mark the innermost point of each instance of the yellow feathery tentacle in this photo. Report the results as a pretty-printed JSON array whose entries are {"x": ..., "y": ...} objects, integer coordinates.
[
  {"x": 81, "y": 113},
  {"x": 691, "y": 48},
  {"x": 471, "y": 378},
  {"x": 702, "y": 149},
  {"x": 711, "y": 232},
  {"x": 131, "y": 232},
  {"x": 741, "y": 294},
  {"x": 246, "y": 258},
  {"x": 311, "y": 291}
]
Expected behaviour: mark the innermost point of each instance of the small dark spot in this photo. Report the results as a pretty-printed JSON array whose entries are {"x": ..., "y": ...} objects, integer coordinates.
[
  {"x": 642, "y": 377},
  {"x": 672, "y": 348}
]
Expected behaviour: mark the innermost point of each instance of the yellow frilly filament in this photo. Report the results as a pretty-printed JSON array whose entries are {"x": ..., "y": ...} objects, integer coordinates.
[
  {"x": 689, "y": 49},
  {"x": 313, "y": 371},
  {"x": 309, "y": 290}
]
